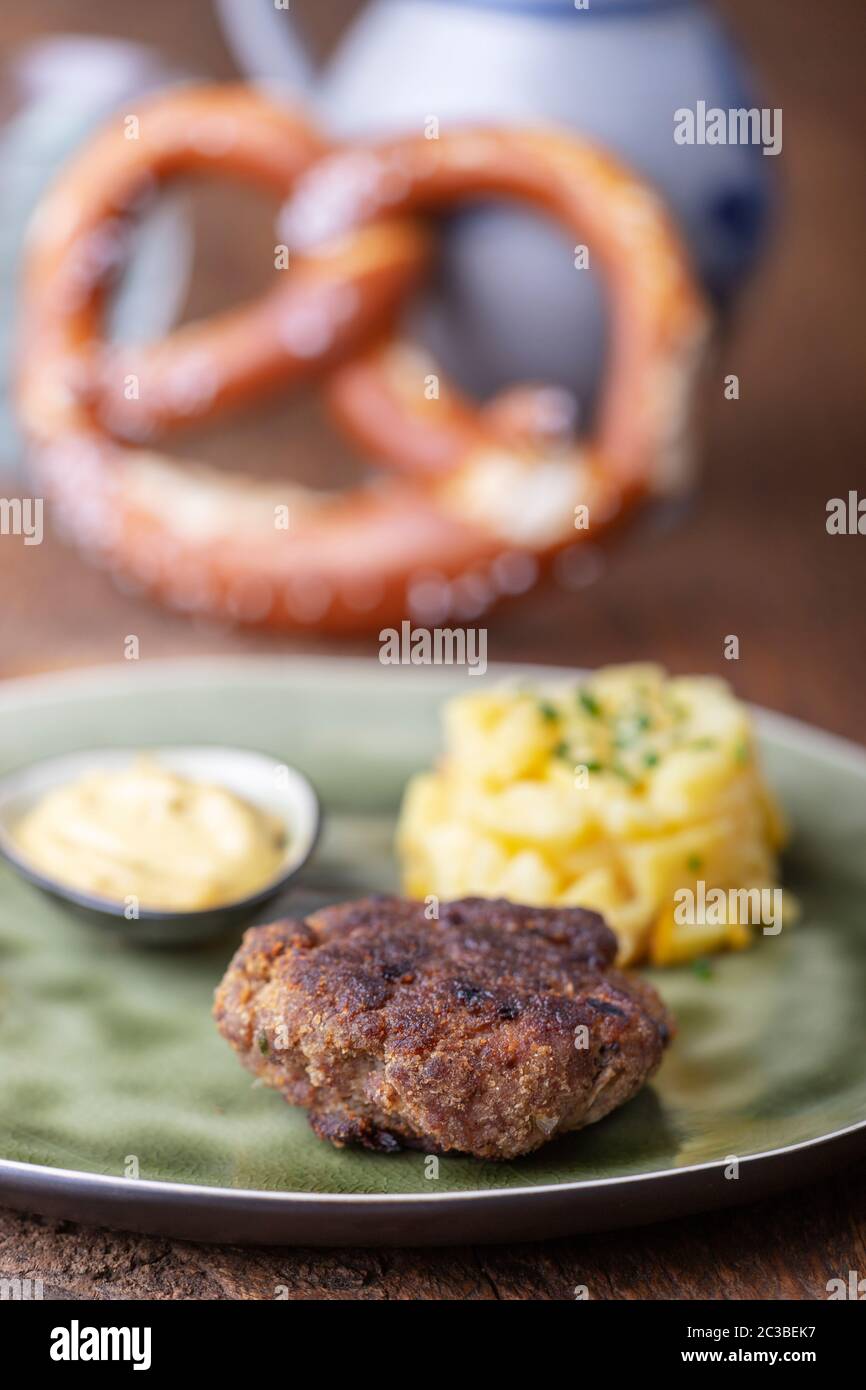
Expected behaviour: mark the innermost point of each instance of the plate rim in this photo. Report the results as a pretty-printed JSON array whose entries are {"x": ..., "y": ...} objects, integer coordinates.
[
  {"x": 155, "y": 1187},
  {"x": 108, "y": 677},
  {"x": 112, "y": 678}
]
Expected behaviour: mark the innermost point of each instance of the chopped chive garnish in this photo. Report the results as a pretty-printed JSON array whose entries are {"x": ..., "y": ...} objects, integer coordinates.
[
  {"x": 702, "y": 968},
  {"x": 548, "y": 711},
  {"x": 561, "y": 750},
  {"x": 650, "y": 759},
  {"x": 263, "y": 1042},
  {"x": 630, "y": 728},
  {"x": 694, "y": 862},
  {"x": 589, "y": 703},
  {"x": 742, "y": 752}
]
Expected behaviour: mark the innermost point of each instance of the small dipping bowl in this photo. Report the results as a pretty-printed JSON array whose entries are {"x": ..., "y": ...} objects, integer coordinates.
[{"x": 263, "y": 781}]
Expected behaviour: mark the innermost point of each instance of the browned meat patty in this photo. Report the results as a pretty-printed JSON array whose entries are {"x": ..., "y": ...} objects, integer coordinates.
[{"x": 487, "y": 1032}]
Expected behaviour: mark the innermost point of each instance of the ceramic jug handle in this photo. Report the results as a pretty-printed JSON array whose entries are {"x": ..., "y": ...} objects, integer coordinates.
[{"x": 265, "y": 41}]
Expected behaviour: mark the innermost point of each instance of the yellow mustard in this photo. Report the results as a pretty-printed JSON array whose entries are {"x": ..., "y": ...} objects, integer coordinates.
[{"x": 146, "y": 833}]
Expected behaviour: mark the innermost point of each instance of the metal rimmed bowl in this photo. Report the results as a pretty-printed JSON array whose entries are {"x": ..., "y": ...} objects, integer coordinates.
[{"x": 265, "y": 782}]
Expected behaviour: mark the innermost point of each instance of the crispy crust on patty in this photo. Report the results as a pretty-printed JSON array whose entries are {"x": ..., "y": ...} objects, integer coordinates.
[{"x": 487, "y": 1031}]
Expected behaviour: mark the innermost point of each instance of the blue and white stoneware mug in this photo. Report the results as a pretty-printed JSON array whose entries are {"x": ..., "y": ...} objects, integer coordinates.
[{"x": 508, "y": 304}]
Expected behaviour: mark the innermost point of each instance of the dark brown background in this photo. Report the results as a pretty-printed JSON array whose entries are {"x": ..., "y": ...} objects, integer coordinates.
[{"x": 753, "y": 558}]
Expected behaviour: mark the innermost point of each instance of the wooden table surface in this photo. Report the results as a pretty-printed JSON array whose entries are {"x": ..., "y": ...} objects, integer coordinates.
[{"x": 751, "y": 558}]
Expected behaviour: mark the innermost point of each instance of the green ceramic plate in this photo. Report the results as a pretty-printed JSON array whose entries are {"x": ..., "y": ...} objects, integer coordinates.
[{"x": 120, "y": 1104}]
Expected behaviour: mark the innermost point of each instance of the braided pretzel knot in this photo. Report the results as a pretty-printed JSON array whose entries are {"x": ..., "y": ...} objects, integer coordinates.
[{"x": 471, "y": 492}]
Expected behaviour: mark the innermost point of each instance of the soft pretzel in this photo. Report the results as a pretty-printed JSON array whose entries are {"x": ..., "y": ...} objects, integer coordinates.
[{"x": 472, "y": 497}]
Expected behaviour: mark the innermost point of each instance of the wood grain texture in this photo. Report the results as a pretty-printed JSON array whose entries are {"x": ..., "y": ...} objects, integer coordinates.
[
  {"x": 752, "y": 558},
  {"x": 785, "y": 1248}
]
